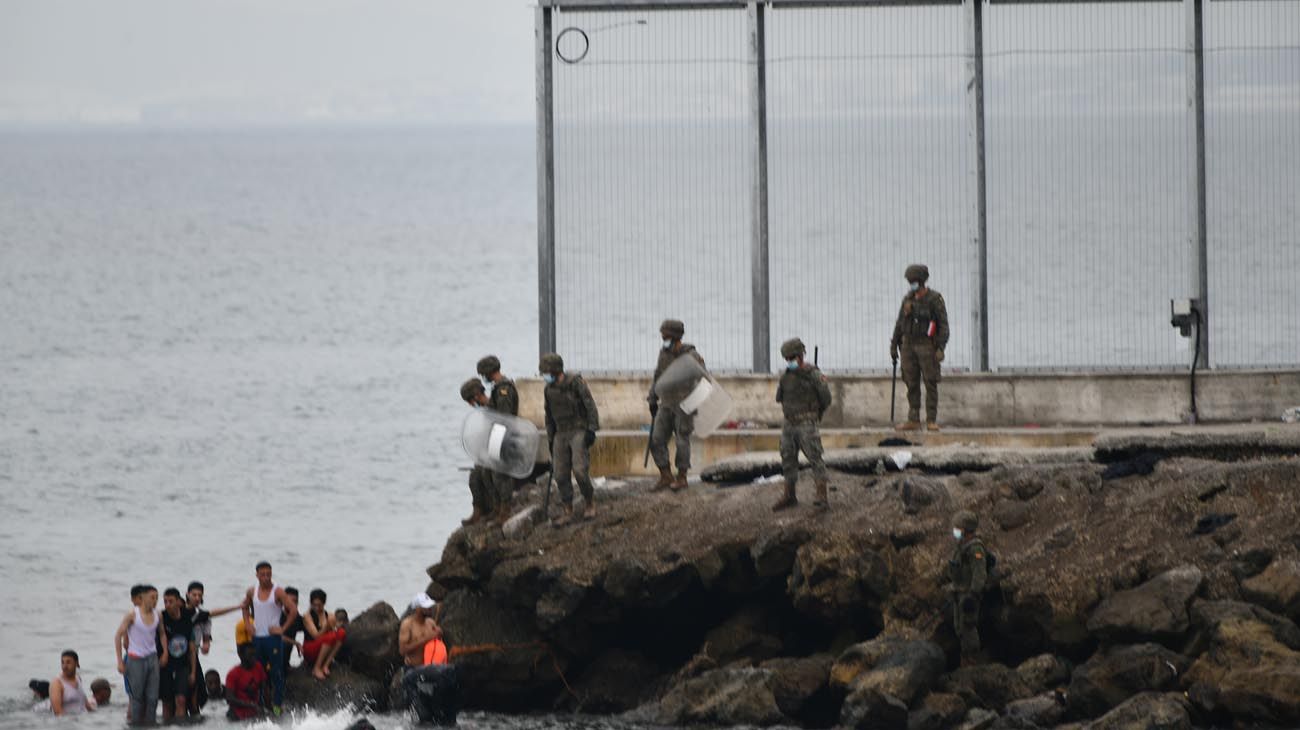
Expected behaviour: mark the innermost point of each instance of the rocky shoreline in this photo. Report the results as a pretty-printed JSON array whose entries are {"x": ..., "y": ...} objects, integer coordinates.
[{"x": 1165, "y": 599}]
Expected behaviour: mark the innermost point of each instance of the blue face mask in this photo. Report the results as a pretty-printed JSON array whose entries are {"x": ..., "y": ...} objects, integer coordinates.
[
  {"x": 914, "y": 286},
  {"x": 791, "y": 364},
  {"x": 548, "y": 378}
]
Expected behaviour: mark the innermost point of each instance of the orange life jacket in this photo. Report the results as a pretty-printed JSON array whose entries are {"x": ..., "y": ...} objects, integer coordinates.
[{"x": 435, "y": 652}]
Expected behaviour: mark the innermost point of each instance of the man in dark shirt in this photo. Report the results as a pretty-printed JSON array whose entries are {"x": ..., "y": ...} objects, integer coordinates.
[
  {"x": 182, "y": 663},
  {"x": 292, "y": 630}
]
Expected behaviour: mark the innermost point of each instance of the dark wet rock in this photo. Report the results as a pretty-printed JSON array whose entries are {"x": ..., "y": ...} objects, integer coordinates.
[
  {"x": 832, "y": 580},
  {"x": 1207, "y": 615},
  {"x": 920, "y": 492},
  {"x": 371, "y": 643},
  {"x": 727, "y": 569},
  {"x": 978, "y": 718},
  {"x": 773, "y": 553},
  {"x": 1044, "y": 710},
  {"x": 1113, "y": 675},
  {"x": 742, "y": 696},
  {"x": 344, "y": 688},
  {"x": 1155, "y": 610},
  {"x": 1148, "y": 711},
  {"x": 882, "y": 677},
  {"x": 751, "y": 633},
  {"x": 505, "y": 679},
  {"x": 937, "y": 711},
  {"x": 907, "y": 533},
  {"x": 1277, "y": 588},
  {"x": 990, "y": 686},
  {"x": 1252, "y": 562},
  {"x": 1247, "y": 672},
  {"x": 1009, "y": 515},
  {"x": 1044, "y": 672},
  {"x": 617, "y": 681},
  {"x": 802, "y": 687}
]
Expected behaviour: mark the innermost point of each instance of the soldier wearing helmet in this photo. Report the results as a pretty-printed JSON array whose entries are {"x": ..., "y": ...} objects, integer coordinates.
[
  {"x": 498, "y": 393},
  {"x": 920, "y": 336},
  {"x": 804, "y": 398},
  {"x": 669, "y": 422},
  {"x": 482, "y": 482},
  {"x": 968, "y": 573},
  {"x": 571, "y": 425}
]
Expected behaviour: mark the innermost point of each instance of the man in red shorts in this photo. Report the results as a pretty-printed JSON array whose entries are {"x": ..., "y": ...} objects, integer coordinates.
[{"x": 324, "y": 637}]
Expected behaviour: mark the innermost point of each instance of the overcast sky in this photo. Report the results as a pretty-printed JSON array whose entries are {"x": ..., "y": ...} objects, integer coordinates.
[{"x": 262, "y": 61}]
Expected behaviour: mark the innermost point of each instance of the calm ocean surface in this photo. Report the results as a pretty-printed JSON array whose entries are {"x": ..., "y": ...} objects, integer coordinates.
[{"x": 222, "y": 347}]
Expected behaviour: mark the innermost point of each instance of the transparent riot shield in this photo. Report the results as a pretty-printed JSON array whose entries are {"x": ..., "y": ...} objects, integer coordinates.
[
  {"x": 686, "y": 384},
  {"x": 500, "y": 442}
]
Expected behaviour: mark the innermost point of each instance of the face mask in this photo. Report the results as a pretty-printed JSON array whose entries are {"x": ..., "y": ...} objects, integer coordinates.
[
  {"x": 487, "y": 381},
  {"x": 956, "y": 533},
  {"x": 791, "y": 364},
  {"x": 548, "y": 378},
  {"x": 914, "y": 286},
  {"x": 668, "y": 344}
]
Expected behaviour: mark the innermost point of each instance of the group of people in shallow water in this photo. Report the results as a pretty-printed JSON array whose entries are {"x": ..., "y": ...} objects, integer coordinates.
[{"x": 158, "y": 654}]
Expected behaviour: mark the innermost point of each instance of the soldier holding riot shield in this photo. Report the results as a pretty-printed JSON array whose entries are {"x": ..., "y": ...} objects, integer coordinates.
[{"x": 671, "y": 420}]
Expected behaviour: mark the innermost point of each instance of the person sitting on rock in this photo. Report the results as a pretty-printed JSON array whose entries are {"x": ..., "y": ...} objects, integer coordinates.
[
  {"x": 324, "y": 637},
  {"x": 968, "y": 573}
]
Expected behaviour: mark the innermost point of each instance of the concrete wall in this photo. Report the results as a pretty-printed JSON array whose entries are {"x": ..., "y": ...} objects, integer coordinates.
[{"x": 984, "y": 400}]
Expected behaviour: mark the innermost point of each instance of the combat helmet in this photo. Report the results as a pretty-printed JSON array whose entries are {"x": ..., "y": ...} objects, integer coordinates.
[
  {"x": 488, "y": 365},
  {"x": 551, "y": 363},
  {"x": 966, "y": 521},
  {"x": 917, "y": 272},
  {"x": 471, "y": 388},
  {"x": 792, "y": 348},
  {"x": 673, "y": 328}
]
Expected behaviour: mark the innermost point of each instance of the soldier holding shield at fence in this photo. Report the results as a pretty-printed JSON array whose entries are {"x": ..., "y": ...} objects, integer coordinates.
[{"x": 671, "y": 420}]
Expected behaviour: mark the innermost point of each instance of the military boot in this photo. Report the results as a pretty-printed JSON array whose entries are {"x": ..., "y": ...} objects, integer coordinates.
[
  {"x": 822, "y": 501},
  {"x": 787, "y": 500},
  {"x": 590, "y": 512},
  {"x": 932, "y": 426},
  {"x": 665, "y": 479},
  {"x": 564, "y": 518},
  {"x": 474, "y": 518},
  {"x": 680, "y": 482},
  {"x": 909, "y": 426}
]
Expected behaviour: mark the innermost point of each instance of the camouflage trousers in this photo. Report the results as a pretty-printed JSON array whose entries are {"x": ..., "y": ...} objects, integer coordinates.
[
  {"x": 966, "y": 622},
  {"x": 802, "y": 436},
  {"x": 570, "y": 459},
  {"x": 919, "y": 364},
  {"x": 490, "y": 489},
  {"x": 670, "y": 422}
]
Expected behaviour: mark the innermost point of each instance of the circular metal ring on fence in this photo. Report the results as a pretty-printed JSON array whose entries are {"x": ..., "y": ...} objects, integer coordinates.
[{"x": 582, "y": 35}]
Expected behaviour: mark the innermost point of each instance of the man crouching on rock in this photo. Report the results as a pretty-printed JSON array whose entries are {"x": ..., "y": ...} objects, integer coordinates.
[{"x": 417, "y": 629}]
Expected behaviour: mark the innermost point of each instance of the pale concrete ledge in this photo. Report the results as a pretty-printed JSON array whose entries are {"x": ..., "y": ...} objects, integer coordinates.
[{"x": 1087, "y": 400}]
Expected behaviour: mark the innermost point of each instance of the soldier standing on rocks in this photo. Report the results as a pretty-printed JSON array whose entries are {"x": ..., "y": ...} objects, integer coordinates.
[
  {"x": 804, "y": 398},
  {"x": 921, "y": 334},
  {"x": 502, "y": 397},
  {"x": 482, "y": 481},
  {"x": 669, "y": 421},
  {"x": 968, "y": 573},
  {"x": 571, "y": 425}
]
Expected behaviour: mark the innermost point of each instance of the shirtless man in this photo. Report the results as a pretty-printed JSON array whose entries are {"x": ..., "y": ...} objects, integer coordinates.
[
  {"x": 271, "y": 610},
  {"x": 416, "y": 631}
]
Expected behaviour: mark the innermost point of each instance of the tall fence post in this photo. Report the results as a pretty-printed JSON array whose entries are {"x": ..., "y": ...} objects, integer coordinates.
[
  {"x": 1200, "y": 275},
  {"x": 976, "y": 179},
  {"x": 759, "y": 274},
  {"x": 545, "y": 182}
]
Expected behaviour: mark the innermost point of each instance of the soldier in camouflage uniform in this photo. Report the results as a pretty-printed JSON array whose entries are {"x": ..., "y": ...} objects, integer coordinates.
[
  {"x": 670, "y": 421},
  {"x": 968, "y": 573},
  {"x": 502, "y": 397},
  {"x": 482, "y": 481},
  {"x": 571, "y": 425},
  {"x": 804, "y": 398},
  {"x": 921, "y": 334}
]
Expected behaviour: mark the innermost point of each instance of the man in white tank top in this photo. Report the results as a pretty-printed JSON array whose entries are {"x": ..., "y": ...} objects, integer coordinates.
[
  {"x": 67, "y": 696},
  {"x": 140, "y": 635},
  {"x": 272, "y": 610}
]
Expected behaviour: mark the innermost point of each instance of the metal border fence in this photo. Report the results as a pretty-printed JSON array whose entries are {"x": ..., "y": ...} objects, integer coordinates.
[{"x": 1194, "y": 268}]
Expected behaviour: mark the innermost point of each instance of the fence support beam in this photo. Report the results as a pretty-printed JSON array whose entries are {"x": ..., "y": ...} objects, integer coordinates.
[
  {"x": 545, "y": 181},
  {"x": 759, "y": 274},
  {"x": 1200, "y": 283},
  {"x": 976, "y": 179}
]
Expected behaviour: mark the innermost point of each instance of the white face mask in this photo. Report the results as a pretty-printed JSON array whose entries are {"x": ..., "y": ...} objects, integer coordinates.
[
  {"x": 914, "y": 286},
  {"x": 956, "y": 533},
  {"x": 668, "y": 344}
]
